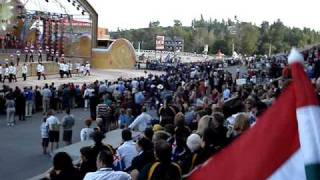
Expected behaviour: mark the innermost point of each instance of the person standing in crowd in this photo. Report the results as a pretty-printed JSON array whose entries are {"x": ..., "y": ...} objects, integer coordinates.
[
  {"x": 88, "y": 92},
  {"x": 29, "y": 101},
  {"x": 54, "y": 130},
  {"x": 67, "y": 123},
  {"x": 164, "y": 168},
  {"x": 87, "y": 163},
  {"x": 69, "y": 69},
  {"x": 11, "y": 71},
  {"x": 142, "y": 121},
  {"x": 145, "y": 157},
  {"x": 24, "y": 70},
  {"x": 63, "y": 168},
  {"x": 167, "y": 112},
  {"x": 105, "y": 171},
  {"x": 20, "y": 105},
  {"x": 6, "y": 74},
  {"x": 44, "y": 130},
  {"x": 87, "y": 69},
  {"x": 10, "y": 104},
  {"x": 85, "y": 133},
  {"x": 127, "y": 151},
  {"x": 46, "y": 96}
]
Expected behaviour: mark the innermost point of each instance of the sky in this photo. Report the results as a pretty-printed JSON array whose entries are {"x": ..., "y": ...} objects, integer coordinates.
[{"x": 128, "y": 14}]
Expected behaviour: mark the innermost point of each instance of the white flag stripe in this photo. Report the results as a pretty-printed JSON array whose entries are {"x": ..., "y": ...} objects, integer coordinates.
[
  {"x": 309, "y": 133},
  {"x": 292, "y": 169}
]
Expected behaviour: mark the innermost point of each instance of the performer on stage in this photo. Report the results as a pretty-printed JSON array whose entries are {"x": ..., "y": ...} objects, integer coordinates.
[
  {"x": 39, "y": 55},
  {"x": 87, "y": 68},
  {"x": 31, "y": 55},
  {"x": 70, "y": 69},
  {"x": 6, "y": 73},
  {"x": 24, "y": 70},
  {"x": 65, "y": 69},
  {"x": 26, "y": 51},
  {"x": 18, "y": 54},
  {"x": 61, "y": 68},
  {"x": 82, "y": 69},
  {"x": 14, "y": 72},
  {"x": 77, "y": 68},
  {"x": 11, "y": 71},
  {"x": 40, "y": 71}
]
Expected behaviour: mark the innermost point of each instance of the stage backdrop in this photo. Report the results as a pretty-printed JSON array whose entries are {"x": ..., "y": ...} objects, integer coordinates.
[{"x": 120, "y": 55}]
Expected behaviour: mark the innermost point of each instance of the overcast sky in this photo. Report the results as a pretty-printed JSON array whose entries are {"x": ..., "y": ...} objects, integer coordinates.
[{"x": 127, "y": 14}]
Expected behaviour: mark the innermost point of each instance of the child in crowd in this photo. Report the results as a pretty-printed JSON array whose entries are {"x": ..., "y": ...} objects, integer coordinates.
[
  {"x": 44, "y": 129},
  {"x": 87, "y": 131}
]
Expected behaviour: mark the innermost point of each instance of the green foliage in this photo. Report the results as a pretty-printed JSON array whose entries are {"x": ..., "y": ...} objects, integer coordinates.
[{"x": 220, "y": 35}]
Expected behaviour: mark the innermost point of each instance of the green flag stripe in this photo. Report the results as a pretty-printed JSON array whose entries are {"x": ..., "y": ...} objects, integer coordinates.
[{"x": 313, "y": 171}]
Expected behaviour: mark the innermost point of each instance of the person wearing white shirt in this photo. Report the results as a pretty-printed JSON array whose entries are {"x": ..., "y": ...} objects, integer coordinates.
[
  {"x": 78, "y": 67},
  {"x": 40, "y": 71},
  {"x": 65, "y": 69},
  {"x": 87, "y": 69},
  {"x": 134, "y": 83},
  {"x": 69, "y": 69},
  {"x": 12, "y": 72},
  {"x": 54, "y": 129},
  {"x": 24, "y": 70},
  {"x": 6, "y": 73},
  {"x": 127, "y": 151},
  {"x": 105, "y": 171},
  {"x": 142, "y": 121},
  {"x": 85, "y": 133},
  {"x": 82, "y": 69},
  {"x": 61, "y": 69}
]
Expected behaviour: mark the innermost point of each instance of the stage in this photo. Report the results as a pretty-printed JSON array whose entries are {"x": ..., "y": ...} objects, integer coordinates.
[{"x": 96, "y": 74}]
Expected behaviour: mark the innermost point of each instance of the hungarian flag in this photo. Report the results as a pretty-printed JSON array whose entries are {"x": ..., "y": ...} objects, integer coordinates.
[{"x": 284, "y": 143}]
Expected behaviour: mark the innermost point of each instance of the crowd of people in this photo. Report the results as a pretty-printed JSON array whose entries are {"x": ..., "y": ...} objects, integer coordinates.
[{"x": 200, "y": 109}]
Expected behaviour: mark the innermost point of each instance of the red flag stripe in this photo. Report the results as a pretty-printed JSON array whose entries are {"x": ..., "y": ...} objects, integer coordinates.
[
  {"x": 261, "y": 150},
  {"x": 304, "y": 91}
]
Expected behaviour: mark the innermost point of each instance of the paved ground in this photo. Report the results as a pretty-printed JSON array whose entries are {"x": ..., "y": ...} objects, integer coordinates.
[
  {"x": 101, "y": 75},
  {"x": 20, "y": 151}
]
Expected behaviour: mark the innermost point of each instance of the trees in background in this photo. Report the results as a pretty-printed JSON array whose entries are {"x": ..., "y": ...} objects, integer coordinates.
[{"x": 246, "y": 38}]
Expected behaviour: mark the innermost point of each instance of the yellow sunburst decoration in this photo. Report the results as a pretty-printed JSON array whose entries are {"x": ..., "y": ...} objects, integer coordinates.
[{"x": 6, "y": 14}]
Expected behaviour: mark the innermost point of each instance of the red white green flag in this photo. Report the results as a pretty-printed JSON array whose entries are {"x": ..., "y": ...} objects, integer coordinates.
[{"x": 284, "y": 143}]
